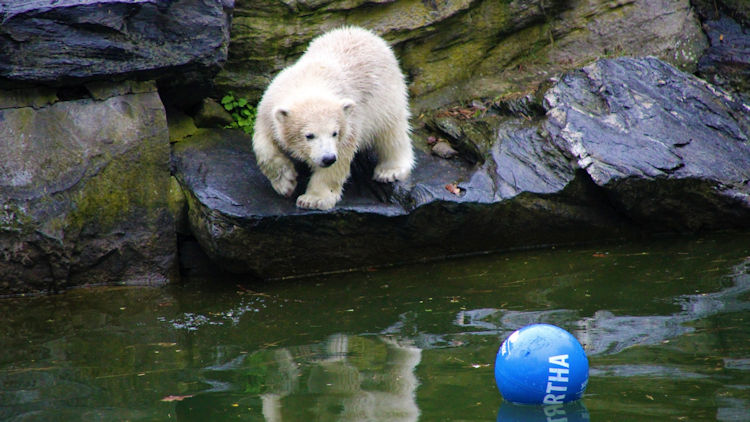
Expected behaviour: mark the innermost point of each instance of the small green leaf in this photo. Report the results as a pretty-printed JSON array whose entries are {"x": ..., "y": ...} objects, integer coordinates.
[
  {"x": 226, "y": 99},
  {"x": 242, "y": 102}
]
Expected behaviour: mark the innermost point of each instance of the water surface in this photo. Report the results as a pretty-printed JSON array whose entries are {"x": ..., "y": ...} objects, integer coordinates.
[{"x": 666, "y": 326}]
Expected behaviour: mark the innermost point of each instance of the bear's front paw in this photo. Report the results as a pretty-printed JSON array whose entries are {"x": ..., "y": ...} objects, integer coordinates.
[
  {"x": 285, "y": 182},
  {"x": 387, "y": 173},
  {"x": 316, "y": 202}
]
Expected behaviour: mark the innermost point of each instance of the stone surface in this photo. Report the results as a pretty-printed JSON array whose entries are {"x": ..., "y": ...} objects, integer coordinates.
[
  {"x": 73, "y": 41},
  {"x": 672, "y": 151},
  {"x": 710, "y": 10},
  {"x": 83, "y": 188},
  {"x": 212, "y": 114},
  {"x": 463, "y": 49},
  {"x": 246, "y": 227},
  {"x": 727, "y": 61},
  {"x": 626, "y": 147}
]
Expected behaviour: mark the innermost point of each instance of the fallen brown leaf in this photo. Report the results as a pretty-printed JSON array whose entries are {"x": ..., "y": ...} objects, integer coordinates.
[
  {"x": 453, "y": 188},
  {"x": 176, "y": 398}
]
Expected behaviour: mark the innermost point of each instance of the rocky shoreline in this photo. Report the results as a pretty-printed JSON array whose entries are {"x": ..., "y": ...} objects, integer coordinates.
[{"x": 106, "y": 179}]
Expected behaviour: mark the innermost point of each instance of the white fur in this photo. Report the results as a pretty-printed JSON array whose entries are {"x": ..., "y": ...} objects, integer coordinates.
[{"x": 347, "y": 91}]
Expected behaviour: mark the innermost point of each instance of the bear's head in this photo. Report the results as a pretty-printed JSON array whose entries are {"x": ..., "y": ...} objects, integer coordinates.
[{"x": 314, "y": 129}]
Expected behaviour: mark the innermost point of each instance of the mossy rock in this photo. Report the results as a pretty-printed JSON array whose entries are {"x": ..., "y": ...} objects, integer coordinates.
[
  {"x": 461, "y": 49},
  {"x": 85, "y": 191}
]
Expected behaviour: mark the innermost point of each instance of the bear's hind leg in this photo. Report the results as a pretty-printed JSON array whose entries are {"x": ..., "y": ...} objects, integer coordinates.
[{"x": 395, "y": 154}]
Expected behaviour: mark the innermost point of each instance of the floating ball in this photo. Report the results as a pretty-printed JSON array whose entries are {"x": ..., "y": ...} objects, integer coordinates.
[{"x": 541, "y": 364}]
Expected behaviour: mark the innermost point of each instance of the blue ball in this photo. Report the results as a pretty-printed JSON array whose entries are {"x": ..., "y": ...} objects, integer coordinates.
[{"x": 541, "y": 364}]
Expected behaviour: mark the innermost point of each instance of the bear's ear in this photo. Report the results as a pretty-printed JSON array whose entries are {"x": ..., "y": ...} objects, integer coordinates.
[
  {"x": 280, "y": 113},
  {"x": 347, "y": 105}
]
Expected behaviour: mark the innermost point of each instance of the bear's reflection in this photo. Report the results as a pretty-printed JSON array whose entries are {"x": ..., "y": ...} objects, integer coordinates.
[{"x": 347, "y": 382}]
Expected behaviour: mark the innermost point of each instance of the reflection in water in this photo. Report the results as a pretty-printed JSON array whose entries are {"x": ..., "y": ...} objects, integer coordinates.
[
  {"x": 567, "y": 412},
  {"x": 607, "y": 333},
  {"x": 419, "y": 342},
  {"x": 371, "y": 380}
]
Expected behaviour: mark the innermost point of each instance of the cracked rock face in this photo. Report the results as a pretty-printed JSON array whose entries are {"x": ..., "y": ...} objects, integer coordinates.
[
  {"x": 83, "y": 190},
  {"x": 75, "y": 41},
  {"x": 464, "y": 49},
  {"x": 669, "y": 148}
]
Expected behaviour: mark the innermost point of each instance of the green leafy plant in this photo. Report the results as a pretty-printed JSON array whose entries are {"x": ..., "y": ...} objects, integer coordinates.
[{"x": 241, "y": 110}]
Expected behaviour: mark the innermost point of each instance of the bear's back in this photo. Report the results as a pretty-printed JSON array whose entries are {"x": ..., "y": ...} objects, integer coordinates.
[{"x": 366, "y": 60}]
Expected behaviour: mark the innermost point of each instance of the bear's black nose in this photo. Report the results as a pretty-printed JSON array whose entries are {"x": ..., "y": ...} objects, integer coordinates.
[{"x": 327, "y": 160}]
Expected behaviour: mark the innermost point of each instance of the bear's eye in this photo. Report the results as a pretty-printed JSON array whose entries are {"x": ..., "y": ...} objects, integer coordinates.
[
  {"x": 310, "y": 136},
  {"x": 334, "y": 134}
]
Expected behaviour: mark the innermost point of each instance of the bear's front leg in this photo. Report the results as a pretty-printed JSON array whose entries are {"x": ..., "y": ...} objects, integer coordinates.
[
  {"x": 277, "y": 168},
  {"x": 325, "y": 187},
  {"x": 281, "y": 173}
]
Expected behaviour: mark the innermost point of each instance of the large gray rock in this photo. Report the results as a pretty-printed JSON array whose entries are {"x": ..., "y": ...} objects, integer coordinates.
[
  {"x": 627, "y": 146},
  {"x": 671, "y": 151},
  {"x": 726, "y": 62},
  {"x": 84, "y": 187},
  {"x": 72, "y": 41},
  {"x": 246, "y": 227}
]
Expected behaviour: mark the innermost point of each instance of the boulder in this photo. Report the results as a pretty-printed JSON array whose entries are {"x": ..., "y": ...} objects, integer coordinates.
[
  {"x": 84, "y": 186},
  {"x": 455, "y": 50},
  {"x": 244, "y": 226},
  {"x": 69, "y": 42},
  {"x": 712, "y": 10},
  {"x": 726, "y": 62},
  {"x": 671, "y": 151},
  {"x": 626, "y": 147}
]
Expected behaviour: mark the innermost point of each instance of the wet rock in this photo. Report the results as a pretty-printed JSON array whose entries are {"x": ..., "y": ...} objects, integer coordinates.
[
  {"x": 83, "y": 187},
  {"x": 726, "y": 62},
  {"x": 471, "y": 137},
  {"x": 212, "y": 114},
  {"x": 671, "y": 151},
  {"x": 443, "y": 150},
  {"x": 712, "y": 10},
  {"x": 628, "y": 146},
  {"x": 73, "y": 41},
  {"x": 243, "y": 225}
]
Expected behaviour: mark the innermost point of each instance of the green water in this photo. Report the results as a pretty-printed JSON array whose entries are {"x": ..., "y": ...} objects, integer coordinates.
[{"x": 666, "y": 326}]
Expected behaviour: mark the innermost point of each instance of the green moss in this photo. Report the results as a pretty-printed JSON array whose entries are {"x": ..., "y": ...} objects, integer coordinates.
[
  {"x": 13, "y": 219},
  {"x": 180, "y": 125},
  {"x": 133, "y": 184},
  {"x": 177, "y": 204},
  {"x": 36, "y": 97},
  {"x": 443, "y": 58}
]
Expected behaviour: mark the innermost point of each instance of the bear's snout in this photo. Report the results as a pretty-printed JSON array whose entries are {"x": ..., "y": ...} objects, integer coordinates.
[{"x": 327, "y": 160}]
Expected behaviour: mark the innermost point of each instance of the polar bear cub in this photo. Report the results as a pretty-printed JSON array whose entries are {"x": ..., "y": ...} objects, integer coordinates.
[{"x": 345, "y": 93}]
